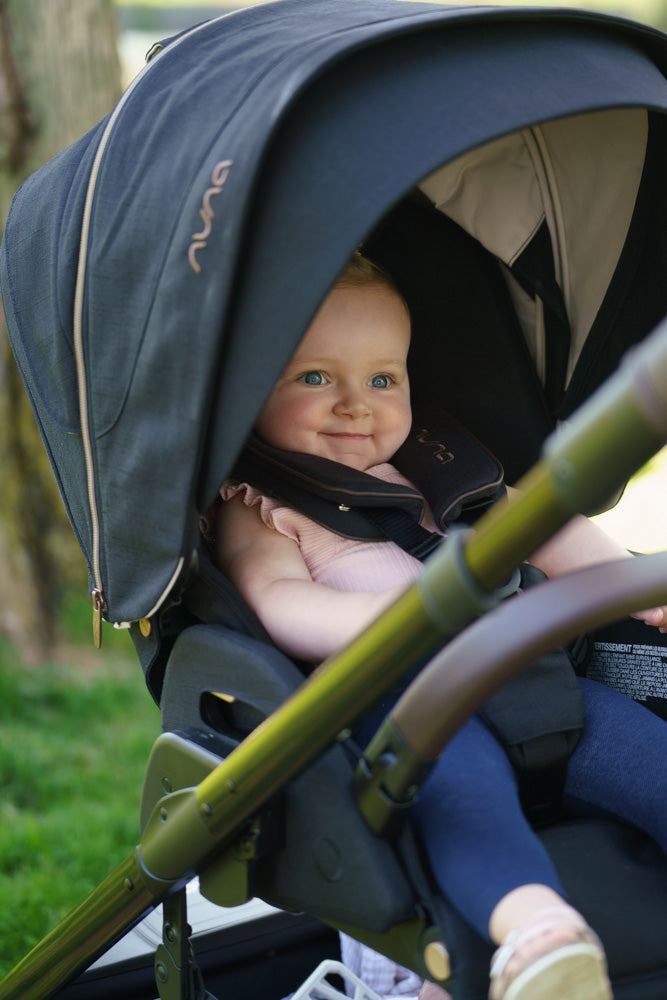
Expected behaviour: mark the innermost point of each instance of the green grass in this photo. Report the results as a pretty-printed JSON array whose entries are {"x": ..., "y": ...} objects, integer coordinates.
[{"x": 74, "y": 740}]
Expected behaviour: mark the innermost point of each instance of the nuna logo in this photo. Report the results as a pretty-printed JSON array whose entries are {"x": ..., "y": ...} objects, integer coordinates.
[
  {"x": 199, "y": 240},
  {"x": 440, "y": 450}
]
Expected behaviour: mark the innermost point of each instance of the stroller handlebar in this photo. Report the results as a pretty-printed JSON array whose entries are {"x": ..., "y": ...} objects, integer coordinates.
[{"x": 498, "y": 646}]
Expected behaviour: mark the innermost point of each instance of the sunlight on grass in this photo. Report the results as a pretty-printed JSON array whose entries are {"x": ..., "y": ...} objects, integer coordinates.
[{"x": 74, "y": 740}]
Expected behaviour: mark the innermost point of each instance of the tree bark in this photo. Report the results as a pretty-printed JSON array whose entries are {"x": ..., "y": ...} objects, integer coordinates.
[{"x": 59, "y": 74}]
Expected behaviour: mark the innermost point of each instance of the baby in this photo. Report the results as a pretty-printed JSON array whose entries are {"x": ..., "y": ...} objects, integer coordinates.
[{"x": 345, "y": 396}]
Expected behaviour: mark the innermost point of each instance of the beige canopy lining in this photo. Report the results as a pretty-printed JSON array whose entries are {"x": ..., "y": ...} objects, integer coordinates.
[{"x": 582, "y": 175}]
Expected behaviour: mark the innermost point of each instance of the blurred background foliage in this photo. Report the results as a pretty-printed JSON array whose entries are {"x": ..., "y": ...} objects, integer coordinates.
[{"x": 76, "y": 726}]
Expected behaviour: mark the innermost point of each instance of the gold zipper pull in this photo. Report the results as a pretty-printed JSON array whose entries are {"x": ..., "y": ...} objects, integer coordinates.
[{"x": 99, "y": 605}]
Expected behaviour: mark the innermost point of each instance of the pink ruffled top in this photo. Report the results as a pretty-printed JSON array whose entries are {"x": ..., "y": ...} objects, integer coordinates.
[{"x": 342, "y": 563}]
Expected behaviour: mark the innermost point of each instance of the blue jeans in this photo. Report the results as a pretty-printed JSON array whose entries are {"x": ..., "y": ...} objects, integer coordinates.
[{"x": 469, "y": 818}]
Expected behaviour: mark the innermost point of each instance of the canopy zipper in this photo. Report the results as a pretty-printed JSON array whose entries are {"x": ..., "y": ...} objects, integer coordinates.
[{"x": 97, "y": 593}]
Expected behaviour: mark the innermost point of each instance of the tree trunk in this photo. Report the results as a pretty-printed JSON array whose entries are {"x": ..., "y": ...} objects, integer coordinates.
[{"x": 59, "y": 74}]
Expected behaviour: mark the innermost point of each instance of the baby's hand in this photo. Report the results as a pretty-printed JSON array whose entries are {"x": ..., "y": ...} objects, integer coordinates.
[{"x": 654, "y": 616}]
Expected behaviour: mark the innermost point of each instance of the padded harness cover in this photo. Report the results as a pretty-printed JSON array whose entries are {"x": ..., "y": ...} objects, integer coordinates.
[{"x": 448, "y": 466}]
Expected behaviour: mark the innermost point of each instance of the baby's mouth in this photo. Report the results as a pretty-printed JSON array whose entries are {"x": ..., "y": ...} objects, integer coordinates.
[{"x": 347, "y": 435}]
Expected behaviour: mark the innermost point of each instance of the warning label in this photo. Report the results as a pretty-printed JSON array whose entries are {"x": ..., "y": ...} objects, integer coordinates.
[{"x": 637, "y": 670}]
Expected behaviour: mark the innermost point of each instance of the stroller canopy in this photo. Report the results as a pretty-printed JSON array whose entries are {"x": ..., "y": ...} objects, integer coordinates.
[{"x": 157, "y": 274}]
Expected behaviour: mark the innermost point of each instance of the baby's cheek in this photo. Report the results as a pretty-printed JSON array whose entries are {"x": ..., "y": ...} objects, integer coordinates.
[
  {"x": 304, "y": 415},
  {"x": 402, "y": 420},
  {"x": 283, "y": 424}
]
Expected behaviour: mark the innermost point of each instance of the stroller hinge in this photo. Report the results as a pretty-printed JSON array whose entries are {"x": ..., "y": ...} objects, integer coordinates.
[
  {"x": 177, "y": 975},
  {"x": 388, "y": 779}
]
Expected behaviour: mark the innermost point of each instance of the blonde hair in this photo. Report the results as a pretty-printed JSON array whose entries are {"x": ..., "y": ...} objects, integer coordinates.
[{"x": 361, "y": 272}]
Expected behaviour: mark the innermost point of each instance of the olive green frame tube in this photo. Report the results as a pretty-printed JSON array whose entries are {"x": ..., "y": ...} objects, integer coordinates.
[{"x": 611, "y": 436}]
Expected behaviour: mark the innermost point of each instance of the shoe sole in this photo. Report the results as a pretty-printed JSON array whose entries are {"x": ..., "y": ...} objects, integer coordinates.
[{"x": 573, "y": 972}]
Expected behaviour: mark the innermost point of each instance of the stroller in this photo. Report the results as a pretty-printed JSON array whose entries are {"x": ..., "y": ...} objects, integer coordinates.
[{"x": 507, "y": 166}]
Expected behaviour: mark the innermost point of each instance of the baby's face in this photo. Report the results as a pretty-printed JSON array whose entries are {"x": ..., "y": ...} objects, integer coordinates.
[{"x": 345, "y": 393}]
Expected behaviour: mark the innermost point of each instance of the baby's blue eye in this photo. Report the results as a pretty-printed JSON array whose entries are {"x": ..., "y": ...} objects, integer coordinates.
[
  {"x": 380, "y": 382},
  {"x": 312, "y": 378}
]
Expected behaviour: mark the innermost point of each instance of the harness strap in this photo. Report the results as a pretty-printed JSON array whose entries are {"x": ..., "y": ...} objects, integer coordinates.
[
  {"x": 456, "y": 475},
  {"x": 399, "y": 527}
]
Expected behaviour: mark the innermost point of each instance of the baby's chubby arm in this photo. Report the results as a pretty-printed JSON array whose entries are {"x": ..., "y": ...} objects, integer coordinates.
[
  {"x": 582, "y": 543},
  {"x": 306, "y": 619}
]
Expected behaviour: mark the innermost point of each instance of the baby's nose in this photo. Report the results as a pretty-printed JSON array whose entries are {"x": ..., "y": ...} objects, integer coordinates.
[{"x": 352, "y": 402}]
